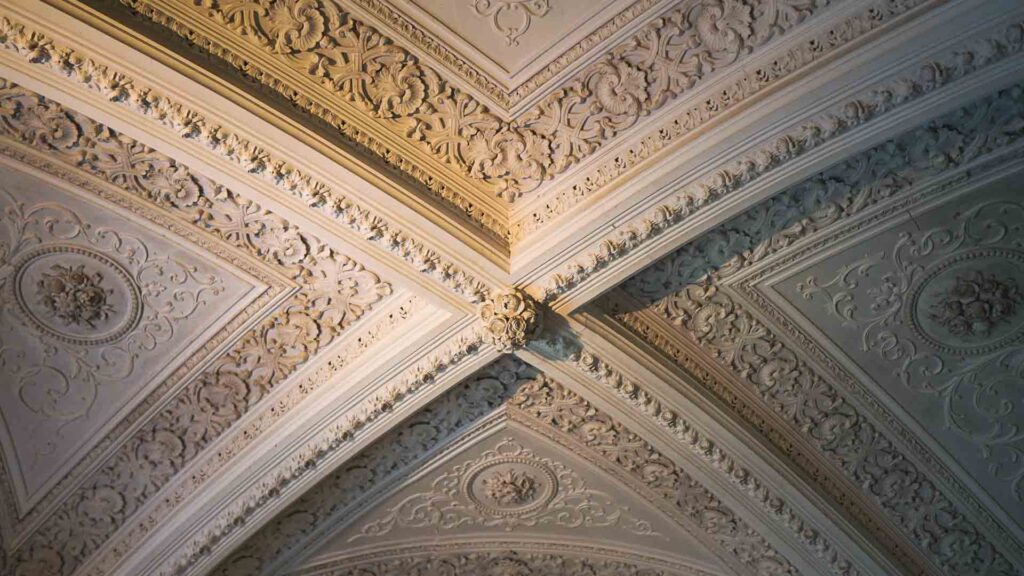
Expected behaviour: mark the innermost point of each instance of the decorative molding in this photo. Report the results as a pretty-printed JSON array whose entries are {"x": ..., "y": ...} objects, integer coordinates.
[
  {"x": 374, "y": 468},
  {"x": 509, "y": 319},
  {"x": 553, "y": 405},
  {"x": 335, "y": 291},
  {"x": 501, "y": 559},
  {"x": 411, "y": 100},
  {"x": 303, "y": 462},
  {"x": 278, "y": 287},
  {"x": 801, "y": 397},
  {"x": 423, "y": 40},
  {"x": 93, "y": 299},
  {"x": 193, "y": 125},
  {"x": 500, "y": 11},
  {"x": 840, "y": 119},
  {"x": 718, "y": 459},
  {"x": 238, "y": 439}
]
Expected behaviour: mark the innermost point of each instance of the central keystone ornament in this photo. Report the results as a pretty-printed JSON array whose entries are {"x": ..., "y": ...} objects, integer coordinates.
[{"x": 509, "y": 318}]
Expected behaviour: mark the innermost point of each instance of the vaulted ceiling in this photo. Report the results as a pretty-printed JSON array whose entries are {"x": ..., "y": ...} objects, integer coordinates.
[{"x": 511, "y": 287}]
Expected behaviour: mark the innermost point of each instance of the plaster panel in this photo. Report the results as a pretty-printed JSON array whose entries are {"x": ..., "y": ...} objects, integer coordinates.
[
  {"x": 509, "y": 484},
  {"x": 97, "y": 307},
  {"x": 929, "y": 305}
]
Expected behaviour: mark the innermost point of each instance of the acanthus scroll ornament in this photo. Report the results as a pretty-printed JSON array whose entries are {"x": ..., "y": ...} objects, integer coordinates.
[{"x": 510, "y": 318}]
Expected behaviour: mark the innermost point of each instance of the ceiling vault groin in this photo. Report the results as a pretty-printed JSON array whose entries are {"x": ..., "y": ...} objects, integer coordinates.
[{"x": 382, "y": 287}]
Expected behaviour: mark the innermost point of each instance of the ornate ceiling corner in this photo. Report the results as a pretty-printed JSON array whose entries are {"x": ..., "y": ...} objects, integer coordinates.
[
  {"x": 99, "y": 318},
  {"x": 284, "y": 403},
  {"x": 811, "y": 534},
  {"x": 411, "y": 105},
  {"x": 557, "y": 414},
  {"x": 193, "y": 125},
  {"x": 384, "y": 462},
  {"x": 971, "y": 61},
  {"x": 510, "y": 88},
  {"x": 853, "y": 427},
  {"x": 333, "y": 292},
  {"x": 710, "y": 103},
  {"x": 510, "y": 319}
]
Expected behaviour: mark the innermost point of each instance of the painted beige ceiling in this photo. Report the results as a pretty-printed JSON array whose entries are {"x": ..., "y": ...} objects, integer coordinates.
[{"x": 511, "y": 287}]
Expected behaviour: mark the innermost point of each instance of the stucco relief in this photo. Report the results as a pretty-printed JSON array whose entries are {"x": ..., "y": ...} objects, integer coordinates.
[
  {"x": 382, "y": 465},
  {"x": 334, "y": 291},
  {"x": 366, "y": 68},
  {"x": 511, "y": 18},
  {"x": 941, "y": 310},
  {"x": 509, "y": 319},
  {"x": 508, "y": 486},
  {"x": 517, "y": 560},
  {"x": 87, "y": 306},
  {"x": 690, "y": 289}
]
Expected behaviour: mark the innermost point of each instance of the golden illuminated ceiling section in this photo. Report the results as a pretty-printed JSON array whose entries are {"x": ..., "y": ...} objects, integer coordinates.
[
  {"x": 413, "y": 93},
  {"x": 507, "y": 51}
]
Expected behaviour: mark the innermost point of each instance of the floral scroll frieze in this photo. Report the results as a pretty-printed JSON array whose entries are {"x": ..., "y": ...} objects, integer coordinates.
[
  {"x": 691, "y": 289},
  {"x": 510, "y": 158},
  {"x": 333, "y": 292}
]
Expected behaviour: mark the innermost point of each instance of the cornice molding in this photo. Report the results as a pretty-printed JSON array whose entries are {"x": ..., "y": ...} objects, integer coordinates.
[
  {"x": 249, "y": 430},
  {"x": 632, "y": 236},
  {"x": 837, "y": 427},
  {"x": 501, "y": 557},
  {"x": 280, "y": 483},
  {"x": 480, "y": 80},
  {"x": 678, "y": 122},
  {"x": 636, "y": 394},
  {"x": 36, "y": 48},
  {"x": 505, "y": 158},
  {"x": 466, "y": 404}
]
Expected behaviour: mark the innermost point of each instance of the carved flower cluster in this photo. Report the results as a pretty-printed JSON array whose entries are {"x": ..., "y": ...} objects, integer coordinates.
[
  {"x": 510, "y": 318},
  {"x": 976, "y": 303},
  {"x": 510, "y": 487},
  {"x": 74, "y": 296}
]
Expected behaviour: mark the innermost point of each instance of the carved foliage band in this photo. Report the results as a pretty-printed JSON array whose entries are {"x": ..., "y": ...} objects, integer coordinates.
[{"x": 685, "y": 288}]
